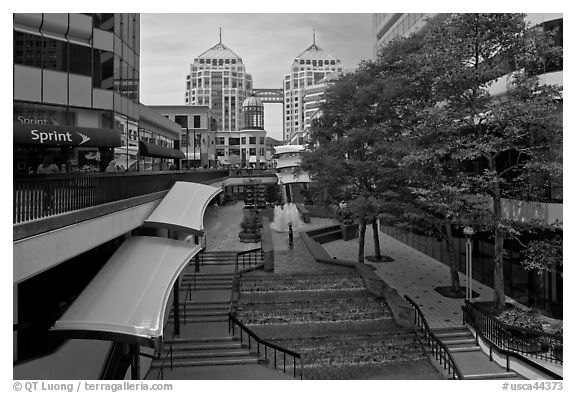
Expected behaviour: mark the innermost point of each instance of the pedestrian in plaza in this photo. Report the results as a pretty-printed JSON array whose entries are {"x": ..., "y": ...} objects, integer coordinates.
[
  {"x": 48, "y": 166},
  {"x": 112, "y": 167}
]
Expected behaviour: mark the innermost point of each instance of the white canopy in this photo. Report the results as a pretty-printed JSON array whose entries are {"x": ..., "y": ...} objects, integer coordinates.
[
  {"x": 288, "y": 149},
  {"x": 289, "y": 178},
  {"x": 183, "y": 208},
  {"x": 127, "y": 299}
]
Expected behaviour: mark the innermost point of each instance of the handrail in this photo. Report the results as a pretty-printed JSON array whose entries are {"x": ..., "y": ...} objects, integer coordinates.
[
  {"x": 527, "y": 342},
  {"x": 251, "y": 255},
  {"x": 38, "y": 196},
  {"x": 160, "y": 374},
  {"x": 439, "y": 349},
  {"x": 233, "y": 321}
]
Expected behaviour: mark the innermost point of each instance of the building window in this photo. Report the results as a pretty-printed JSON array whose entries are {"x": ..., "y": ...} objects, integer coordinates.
[
  {"x": 197, "y": 121},
  {"x": 262, "y": 140},
  {"x": 252, "y": 151},
  {"x": 220, "y": 140},
  {"x": 252, "y": 140},
  {"x": 234, "y": 141},
  {"x": 243, "y": 140},
  {"x": 182, "y": 120}
]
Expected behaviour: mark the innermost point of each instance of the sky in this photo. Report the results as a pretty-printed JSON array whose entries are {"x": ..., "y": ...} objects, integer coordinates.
[{"x": 266, "y": 42}]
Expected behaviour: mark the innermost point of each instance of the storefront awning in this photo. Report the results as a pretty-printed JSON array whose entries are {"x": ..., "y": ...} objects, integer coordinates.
[
  {"x": 48, "y": 135},
  {"x": 152, "y": 150},
  {"x": 182, "y": 209},
  {"x": 128, "y": 298}
]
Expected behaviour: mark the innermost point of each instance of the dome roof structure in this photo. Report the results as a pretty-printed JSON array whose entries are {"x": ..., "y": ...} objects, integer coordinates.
[
  {"x": 219, "y": 51},
  {"x": 314, "y": 52},
  {"x": 252, "y": 101}
]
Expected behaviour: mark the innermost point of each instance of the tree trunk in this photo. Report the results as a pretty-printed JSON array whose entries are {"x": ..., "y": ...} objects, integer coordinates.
[
  {"x": 376, "y": 239},
  {"x": 499, "y": 296},
  {"x": 361, "y": 242},
  {"x": 454, "y": 276}
]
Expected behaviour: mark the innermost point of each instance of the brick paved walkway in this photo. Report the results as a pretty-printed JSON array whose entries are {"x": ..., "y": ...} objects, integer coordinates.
[{"x": 414, "y": 274}]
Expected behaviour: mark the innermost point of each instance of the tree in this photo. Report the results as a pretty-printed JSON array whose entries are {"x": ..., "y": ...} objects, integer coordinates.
[{"x": 497, "y": 147}]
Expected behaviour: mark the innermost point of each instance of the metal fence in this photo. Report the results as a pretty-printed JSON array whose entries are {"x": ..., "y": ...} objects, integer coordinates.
[{"x": 39, "y": 196}]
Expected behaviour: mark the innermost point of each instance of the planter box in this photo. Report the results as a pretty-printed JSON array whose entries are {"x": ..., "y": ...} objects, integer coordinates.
[
  {"x": 349, "y": 231},
  {"x": 249, "y": 237}
]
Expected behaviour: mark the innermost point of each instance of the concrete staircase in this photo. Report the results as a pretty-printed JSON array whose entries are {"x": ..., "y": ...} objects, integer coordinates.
[
  {"x": 469, "y": 357},
  {"x": 214, "y": 351},
  {"x": 212, "y": 258},
  {"x": 204, "y": 349}
]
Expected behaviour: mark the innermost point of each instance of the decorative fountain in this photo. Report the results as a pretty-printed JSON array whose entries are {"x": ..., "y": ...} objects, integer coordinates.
[{"x": 285, "y": 215}]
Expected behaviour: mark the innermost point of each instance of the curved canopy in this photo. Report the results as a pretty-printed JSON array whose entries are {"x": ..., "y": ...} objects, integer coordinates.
[
  {"x": 289, "y": 178},
  {"x": 183, "y": 208},
  {"x": 127, "y": 299},
  {"x": 288, "y": 149},
  {"x": 153, "y": 150}
]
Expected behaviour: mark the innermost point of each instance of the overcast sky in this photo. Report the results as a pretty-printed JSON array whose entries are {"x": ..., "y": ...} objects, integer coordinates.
[{"x": 267, "y": 44}]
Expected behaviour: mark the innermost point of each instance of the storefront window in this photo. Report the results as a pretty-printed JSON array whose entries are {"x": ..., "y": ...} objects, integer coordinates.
[
  {"x": 43, "y": 114},
  {"x": 80, "y": 59}
]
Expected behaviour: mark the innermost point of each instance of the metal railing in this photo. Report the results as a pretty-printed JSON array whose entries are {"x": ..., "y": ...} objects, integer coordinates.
[
  {"x": 527, "y": 342},
  {"x": 168, "y": 355},
  {"x": 439, "y": 349},
  {"x": 250, "y": 257},
  {"x": 233, "y": 322},
  {"x": 250, "y": 260},
  {"x": 38, "y": 196}
]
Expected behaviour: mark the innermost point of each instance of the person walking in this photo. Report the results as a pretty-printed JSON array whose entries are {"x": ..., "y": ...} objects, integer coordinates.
[
  {"x": 112, "y": 167},
  {"x": 47, "y": 167}
]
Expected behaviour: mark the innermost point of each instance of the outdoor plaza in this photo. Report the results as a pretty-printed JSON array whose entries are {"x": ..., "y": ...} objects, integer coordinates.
[{"x": 274, "y": 298}]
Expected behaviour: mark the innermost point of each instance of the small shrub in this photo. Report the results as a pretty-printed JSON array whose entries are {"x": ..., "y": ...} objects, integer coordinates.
[{"x": 522, "y": 319}]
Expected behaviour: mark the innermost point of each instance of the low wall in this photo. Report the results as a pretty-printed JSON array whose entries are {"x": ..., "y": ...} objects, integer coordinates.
[
  {"x": 304, "y": 212},
  {"x": 403, "y": 313},
  {"x": 320, "y": 211}
]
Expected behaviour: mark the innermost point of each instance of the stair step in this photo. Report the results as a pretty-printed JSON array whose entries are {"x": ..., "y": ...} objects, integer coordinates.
[
  {"x": 224, "y": 339},
  {"x": 204, "y": 287},
  {"x": 502, "y": 375},
  {"x": 196, "y": 307},
  {"x": 465, "y": 349},
  {"x": 190, "y": 319},
  {"x": 450, "y": 329},
  {"x": 209, "y": 362},
  {"x": 227, "y": 353},
  {"x": 202, "y": 313},
  {"x": 209, "y": 275},
  {"x": 459, "y": 341},
  {"x": 454, "y": 334},
  {"x": 207, "y": 346}
]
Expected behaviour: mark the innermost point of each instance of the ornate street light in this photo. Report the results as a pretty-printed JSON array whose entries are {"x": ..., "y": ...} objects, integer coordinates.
[{"x": 468, "y": 232}]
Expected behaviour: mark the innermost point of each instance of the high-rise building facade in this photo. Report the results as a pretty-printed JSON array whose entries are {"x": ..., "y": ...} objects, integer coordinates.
[
  {"x": 219, "y": 80},
  {"x": 308, "y": 68},
  {"x": 386, "y": 27},
  {"x": 76, "y": 95}
]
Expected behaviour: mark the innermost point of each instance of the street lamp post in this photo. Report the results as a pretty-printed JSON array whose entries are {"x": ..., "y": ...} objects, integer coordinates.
[
  {"x": 194, "y": 145},
  {"x": 468, "y": 232},
  {"x": 187, "y": 143}
]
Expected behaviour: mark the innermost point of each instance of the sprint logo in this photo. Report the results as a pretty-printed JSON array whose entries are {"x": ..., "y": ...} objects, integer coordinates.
[{"x": 84, "y": 138}]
